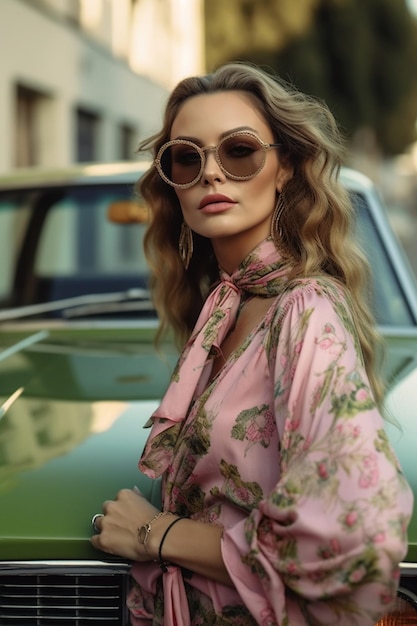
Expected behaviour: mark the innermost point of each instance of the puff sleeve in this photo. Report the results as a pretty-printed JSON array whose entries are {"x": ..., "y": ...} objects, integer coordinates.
[{"x": 324, "y": 546}]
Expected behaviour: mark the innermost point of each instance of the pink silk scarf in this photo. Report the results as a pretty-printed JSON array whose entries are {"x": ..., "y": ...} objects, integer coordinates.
[{"x": 262, "y": 273}]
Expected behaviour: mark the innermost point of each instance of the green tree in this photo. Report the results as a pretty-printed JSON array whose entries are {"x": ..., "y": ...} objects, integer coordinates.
[
  {"x": 360, "y": 56},
  {"x": 236, "y": 28}
]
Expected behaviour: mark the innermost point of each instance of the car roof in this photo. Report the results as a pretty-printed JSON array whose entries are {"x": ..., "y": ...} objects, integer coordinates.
[
  {"x": 354, "y": 180},
  {"x": 117, "y": 172},
  {"x": 80, "y": 174}
]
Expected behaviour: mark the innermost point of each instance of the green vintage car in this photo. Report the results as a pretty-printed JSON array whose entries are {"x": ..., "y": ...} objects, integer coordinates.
[{"x": 79, "y": 377}]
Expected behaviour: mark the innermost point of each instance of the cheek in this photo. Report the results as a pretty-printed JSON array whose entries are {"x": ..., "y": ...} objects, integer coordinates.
[
  {"x": 263, "y": 189},
  {"x": 183, "y": 197}
]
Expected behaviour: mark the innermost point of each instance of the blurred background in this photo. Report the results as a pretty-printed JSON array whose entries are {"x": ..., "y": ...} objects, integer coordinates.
[{"x": 86, "y": 80}]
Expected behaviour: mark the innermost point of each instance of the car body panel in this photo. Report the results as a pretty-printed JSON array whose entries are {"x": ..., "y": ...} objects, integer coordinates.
[
  {"x": 60, "y": 475},
  {"x": 86, "y": 364},
  {"x": 73, "y": 434},
  {"x": 401, "y": 426}
]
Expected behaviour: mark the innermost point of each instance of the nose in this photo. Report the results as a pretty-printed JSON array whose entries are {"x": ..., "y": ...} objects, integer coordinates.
[{"x": 212, "y": 171}]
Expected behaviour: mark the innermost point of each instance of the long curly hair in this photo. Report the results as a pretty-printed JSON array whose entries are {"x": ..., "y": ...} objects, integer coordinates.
[{"x": 316, "y": 227}]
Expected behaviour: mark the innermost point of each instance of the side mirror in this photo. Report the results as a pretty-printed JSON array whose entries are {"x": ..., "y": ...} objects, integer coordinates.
[{"x": 127, "y": 212}]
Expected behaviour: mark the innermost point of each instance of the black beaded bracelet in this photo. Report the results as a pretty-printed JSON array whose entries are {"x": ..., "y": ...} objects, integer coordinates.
[{"x": 164, "y": 564}]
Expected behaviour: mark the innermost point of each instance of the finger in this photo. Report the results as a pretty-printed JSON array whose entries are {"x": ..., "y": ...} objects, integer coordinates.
[{"x": 105, "y": 505}]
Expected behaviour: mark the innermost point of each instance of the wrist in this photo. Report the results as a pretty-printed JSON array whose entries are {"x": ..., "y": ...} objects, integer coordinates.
[
  {"x": 156, "y": 539},
  {"x": 162, "y": 562},
  {"x": 156, "y": 528},
  {"x": 146, "y": 531}
]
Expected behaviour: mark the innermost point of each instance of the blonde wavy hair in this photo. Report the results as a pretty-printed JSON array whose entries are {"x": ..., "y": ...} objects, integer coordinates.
[{"x": 315, "y": 228}]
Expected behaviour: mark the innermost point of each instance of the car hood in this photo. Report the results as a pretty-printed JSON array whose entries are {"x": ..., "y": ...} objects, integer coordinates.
[
  {"x": 72, "y": 432},
  {"x": 71, "y": 435}
]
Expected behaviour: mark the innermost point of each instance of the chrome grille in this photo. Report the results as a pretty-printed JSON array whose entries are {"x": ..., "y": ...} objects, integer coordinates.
[{"x": 46, "y": 599}]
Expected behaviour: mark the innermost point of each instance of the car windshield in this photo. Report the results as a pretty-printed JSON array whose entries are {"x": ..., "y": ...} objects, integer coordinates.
[
  {"x": 389, "y": 302},
  {"x": 61, "y": 255},
  {"x": 57, "y": 244}
]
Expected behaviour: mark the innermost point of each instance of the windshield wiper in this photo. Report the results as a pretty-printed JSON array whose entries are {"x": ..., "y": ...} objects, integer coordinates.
[
  {"x": 23, "y": 344},
  {"x": 77, "y": 301},
  {"x": 9, "y": 401},
  {"x": 109, "y": 307}
]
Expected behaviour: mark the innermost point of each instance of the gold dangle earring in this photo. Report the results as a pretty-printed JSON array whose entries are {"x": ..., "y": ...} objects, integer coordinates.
[
  {"x": 276, "y": 227},
  {"x": 185, "y": 244}
]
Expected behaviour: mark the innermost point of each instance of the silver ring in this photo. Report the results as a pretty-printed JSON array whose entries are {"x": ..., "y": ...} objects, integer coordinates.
[{"x": 93, "y": 521}]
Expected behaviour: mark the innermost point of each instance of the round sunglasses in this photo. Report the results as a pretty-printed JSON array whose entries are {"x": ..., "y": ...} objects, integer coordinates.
[{"x": 240, "y": 155}]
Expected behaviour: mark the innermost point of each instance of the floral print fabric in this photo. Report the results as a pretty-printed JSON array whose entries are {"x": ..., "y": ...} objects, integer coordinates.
[
  {"x": 258, "y": 275},
  {"x": 285, "y": 450}
]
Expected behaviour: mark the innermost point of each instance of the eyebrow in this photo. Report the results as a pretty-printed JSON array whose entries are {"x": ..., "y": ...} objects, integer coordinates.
[{"x": 222, "y": 136}]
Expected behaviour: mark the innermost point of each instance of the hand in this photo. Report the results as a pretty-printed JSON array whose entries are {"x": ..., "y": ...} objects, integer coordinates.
[{"x": 118, "y": 528}]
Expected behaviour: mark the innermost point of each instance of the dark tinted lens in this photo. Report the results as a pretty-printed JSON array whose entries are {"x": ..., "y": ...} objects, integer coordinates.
[
  {"x": 181, "y": 163},
  {"x": 242, "y": 156}
]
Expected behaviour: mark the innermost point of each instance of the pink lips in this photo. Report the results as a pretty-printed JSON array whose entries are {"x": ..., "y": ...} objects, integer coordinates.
[{"x": 215, "y": 203}]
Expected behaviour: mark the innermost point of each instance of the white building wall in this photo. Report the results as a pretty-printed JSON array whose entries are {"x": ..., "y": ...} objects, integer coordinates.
[
  {"x": 171, "y": 43},
  {"x": 100, "y": 65}
]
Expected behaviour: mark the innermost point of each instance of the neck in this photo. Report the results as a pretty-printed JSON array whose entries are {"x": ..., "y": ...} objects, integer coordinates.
[{"x": 230, "y": 251}]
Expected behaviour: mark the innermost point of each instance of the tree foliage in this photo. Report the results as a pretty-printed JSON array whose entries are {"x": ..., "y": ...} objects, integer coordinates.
[{"x": 360, "y": 56}]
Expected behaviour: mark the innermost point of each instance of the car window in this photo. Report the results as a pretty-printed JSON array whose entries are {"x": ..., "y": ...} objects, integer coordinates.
[
  {"x": 390, "y": 304},
  {"x": 71, "y": 248},
  {"x": 15, "y": 210},
  {"x": 94, "y": 252}
]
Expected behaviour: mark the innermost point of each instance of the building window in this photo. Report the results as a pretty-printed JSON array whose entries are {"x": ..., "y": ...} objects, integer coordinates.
[
  {"x": 87, "y": 135},
  {"x": 127, "y": 146},
  {"x": 26, "y": 131}
]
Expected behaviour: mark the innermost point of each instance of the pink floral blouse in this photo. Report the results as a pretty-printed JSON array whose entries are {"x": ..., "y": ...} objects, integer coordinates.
[{"x": 286, "y": 451}]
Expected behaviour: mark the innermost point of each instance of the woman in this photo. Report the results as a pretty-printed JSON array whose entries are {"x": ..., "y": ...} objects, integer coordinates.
[{"x": 283, "y": 502}]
